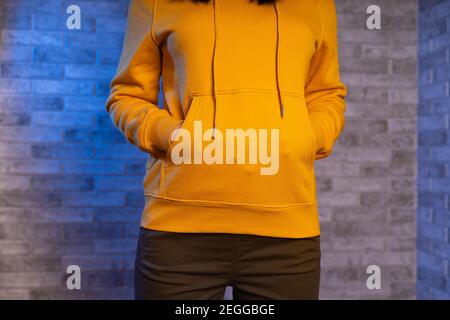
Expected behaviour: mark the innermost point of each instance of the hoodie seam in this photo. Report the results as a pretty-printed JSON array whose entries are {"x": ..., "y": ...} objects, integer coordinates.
[
  {"x": 250, "y": 90},
  {"x": 152, "y": 29},
  {"x": 195, "y": 202},
  {"x": 322, "y": 27}
]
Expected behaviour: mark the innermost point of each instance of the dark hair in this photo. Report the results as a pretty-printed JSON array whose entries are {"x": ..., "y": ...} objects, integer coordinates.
[{"x": 259, "y": 1}]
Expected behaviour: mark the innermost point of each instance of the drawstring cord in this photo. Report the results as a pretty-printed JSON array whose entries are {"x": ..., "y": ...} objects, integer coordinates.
[
  {"x": 277, "y": 67},
  {"x": 280, "y": 98},
  {"x": 213, "y": 74}
]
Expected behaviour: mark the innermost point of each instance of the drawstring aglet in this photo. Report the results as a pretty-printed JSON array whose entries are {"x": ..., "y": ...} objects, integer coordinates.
[
  {"x": 213, "y": 133},
  {"x": 282, "y": 110}
]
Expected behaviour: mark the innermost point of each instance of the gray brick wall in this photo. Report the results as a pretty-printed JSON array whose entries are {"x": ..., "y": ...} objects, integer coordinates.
[
  {"x": 367, "y": 187},
  {"x": 433, "y": 245},
  {"x": 70, "y": 187}
]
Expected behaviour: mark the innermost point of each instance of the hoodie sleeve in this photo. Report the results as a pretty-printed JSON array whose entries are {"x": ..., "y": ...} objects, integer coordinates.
[
  {"x": 133, "y": 99},
  {"x": 324, "y": 91}
]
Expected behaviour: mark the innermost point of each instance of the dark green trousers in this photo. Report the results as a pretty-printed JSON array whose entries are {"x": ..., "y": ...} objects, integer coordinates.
[{"x": 191, "y": 266}]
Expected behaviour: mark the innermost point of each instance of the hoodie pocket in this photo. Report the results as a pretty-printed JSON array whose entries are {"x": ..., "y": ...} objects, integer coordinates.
[
  {"x": 312, "y": 134},
  {"x": 257, "y": 158},
  {"x": 186, "y": 126}
]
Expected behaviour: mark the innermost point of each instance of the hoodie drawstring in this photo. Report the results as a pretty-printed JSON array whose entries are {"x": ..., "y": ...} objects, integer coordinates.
[
  {"x": 277, "y": 67},
  {"x": 213, "y": 73}
]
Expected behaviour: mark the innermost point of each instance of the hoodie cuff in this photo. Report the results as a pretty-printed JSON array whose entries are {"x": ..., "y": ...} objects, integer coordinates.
[
  {"x": 322, "y": 145},
  {"x": 162, "y": 131}
]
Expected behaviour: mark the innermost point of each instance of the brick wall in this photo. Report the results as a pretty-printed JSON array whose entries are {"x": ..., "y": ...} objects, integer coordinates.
[
  {"x": 70, "y": 186},
  {"x": 367, "y": 188},
  {"x": 433, "y": 245}
]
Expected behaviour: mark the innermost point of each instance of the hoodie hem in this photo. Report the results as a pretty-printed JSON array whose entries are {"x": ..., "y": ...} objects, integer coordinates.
[
  {"x": 289, "y": 221},
  {"x": 247, "y": 90}
]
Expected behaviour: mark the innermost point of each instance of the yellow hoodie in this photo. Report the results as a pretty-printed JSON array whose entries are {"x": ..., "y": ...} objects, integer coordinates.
[{"x": 267, "y": 72}]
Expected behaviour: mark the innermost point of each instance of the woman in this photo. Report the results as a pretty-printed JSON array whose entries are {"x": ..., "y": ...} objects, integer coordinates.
[{"x": 252, "y": 97}]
